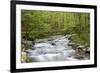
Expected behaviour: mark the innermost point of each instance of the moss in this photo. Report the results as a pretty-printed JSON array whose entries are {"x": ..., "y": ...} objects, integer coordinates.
[
  {"x": 82, "y": 39},
  {"x": 24, "y": 57}
]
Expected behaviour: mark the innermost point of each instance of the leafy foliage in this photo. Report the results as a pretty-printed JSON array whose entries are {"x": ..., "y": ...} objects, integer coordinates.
[{"x": 40, "y": 24}]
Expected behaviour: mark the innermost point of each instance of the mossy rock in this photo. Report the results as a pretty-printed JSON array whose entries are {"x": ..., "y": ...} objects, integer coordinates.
[{"x": 24, "y": 57}]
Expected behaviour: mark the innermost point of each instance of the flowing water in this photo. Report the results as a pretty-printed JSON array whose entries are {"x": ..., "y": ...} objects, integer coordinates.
[{"x": 53, "y": 48}]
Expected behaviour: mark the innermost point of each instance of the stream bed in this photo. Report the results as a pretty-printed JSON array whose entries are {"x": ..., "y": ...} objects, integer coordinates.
[{"x": 53, "y": 48}]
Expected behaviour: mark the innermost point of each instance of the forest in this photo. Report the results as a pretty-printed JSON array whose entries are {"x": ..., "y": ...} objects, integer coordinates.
[{"x": 38, "y": 24}]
